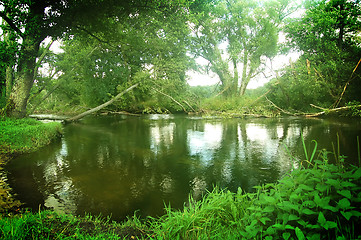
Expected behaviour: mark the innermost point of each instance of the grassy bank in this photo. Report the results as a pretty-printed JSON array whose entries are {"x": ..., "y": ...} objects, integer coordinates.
[
  {"x": 316, "y": 200},
  {"x": 19, "y": 136}
]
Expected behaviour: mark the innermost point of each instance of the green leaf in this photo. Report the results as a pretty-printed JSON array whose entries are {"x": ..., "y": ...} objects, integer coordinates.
[
  {"x": 331, "y": 208},
  {"x": 348, "y": 184},
  {"x": 270, "y": 200},
  {"x": 344, "y": 203},
  {"x": 286, "y": 235},
  {"x": 305, "y": 187},
  {"x": 286, "y": 205},
  {"x": 345, "y": 193},
  {"x": 315, "y": 236},
  {"x": 290, "y": 227},
  {"x": 321, "y": 187},
  {"x": 334, "y": 183},
  {"x": 356, "y": 213},
  {"x": 302, "y": 223},
  {"x": 271, "y": 230},
  {"x": 356, "y": 175},
  {"x": 269, "y": 209},
  {"x": 329, "y": 225},
  {"x": 299, "y": 234},
  {"x": 321, "y": 218},
  {"x": 264, "y": 220},
  {"x": 308, "y": 211},
  {"x": 292, "y": 217},
  {"x": 347, "y": 215}
]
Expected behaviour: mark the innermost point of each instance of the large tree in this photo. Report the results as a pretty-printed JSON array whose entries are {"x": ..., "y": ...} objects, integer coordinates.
[
  {"x": 249, "y": 29},
  {"x": 30, "y": 22}
]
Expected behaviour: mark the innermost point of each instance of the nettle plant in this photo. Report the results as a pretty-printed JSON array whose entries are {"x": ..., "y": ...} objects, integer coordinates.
[{"x": 317, "y": 200}]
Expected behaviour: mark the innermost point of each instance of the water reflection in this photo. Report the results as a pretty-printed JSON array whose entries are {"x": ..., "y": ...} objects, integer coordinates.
[{"x": 116, "y": 165}]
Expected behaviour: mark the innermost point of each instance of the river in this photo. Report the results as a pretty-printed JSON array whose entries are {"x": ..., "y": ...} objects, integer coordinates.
[{"x": 116, "y": 165}]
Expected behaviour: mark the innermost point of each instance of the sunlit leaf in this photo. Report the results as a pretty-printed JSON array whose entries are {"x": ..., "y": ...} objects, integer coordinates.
[
  {"x": 321, "y": 218},
  {"x": 299, "y": 234},
  {"x": 345, "y": 193},
  {"x": 344, "y": 203}
]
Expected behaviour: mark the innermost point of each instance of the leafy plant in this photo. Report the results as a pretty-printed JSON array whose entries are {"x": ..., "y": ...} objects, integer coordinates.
[{"x": 317, "y": 200}]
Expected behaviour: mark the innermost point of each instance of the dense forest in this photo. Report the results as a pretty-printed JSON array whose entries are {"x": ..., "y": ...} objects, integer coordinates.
[{"x": 137, "y": 55}]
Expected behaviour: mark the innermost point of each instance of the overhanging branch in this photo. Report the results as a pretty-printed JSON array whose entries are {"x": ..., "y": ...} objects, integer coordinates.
[{"x": 11, "y": 24}]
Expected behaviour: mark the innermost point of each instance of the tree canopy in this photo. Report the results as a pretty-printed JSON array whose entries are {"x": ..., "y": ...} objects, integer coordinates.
[{"x": 109, "y": 46}]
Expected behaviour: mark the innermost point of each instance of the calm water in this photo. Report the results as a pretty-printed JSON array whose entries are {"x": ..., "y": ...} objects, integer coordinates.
[{"x": 116, "y": 165}]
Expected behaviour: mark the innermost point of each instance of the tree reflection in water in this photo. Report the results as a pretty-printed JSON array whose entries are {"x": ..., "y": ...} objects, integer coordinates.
[{"x": 117, "y": 165}]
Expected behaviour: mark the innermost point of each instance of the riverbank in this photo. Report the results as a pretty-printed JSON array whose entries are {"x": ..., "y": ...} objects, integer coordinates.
[
  {"x": 316, "y": 200},
  {"x": 18, "y": 136}
]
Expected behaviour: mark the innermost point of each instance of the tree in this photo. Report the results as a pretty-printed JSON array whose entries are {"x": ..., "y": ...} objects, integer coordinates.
[
  {"x": 250, "y": 31},
  {"x": 149, "y": 47},
  {"x": 328, "y": 36},
  {"x": 32, "y": 21}
]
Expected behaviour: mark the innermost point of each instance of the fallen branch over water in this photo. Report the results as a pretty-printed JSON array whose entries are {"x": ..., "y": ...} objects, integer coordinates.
[
  {"x": 334, "y": 110},
  {"x": 93, "y": 110}
]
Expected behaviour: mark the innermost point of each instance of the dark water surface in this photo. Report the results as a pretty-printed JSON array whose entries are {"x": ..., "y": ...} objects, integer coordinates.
[{"x": 115, "y": 165}]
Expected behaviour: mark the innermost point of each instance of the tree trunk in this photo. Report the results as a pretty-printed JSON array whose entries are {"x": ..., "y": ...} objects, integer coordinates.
[
  {"x": 24, "y": 78},
  {"x": 244, "y": 80},
  {"x": 93, "y": 110},
  {"x": 9, "y": 80}
]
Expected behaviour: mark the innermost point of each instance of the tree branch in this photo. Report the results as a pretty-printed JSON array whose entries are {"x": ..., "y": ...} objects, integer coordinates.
[
  {"x": 11, "y": 23},
  {"x": 170, "y": 98},
  {"x": 41, "y": 58},
  {"x": 100, "y": 106}
]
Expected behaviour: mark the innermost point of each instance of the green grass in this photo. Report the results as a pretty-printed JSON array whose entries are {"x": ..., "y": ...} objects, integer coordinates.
[
  {"x": 24, "y": 135},
  {"x": 49, "y": 225}
]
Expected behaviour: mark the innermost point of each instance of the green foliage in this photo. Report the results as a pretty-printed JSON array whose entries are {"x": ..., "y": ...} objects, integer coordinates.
[
  {"x": 317, "y": 200},
  {"x": 19, "y": 136},
  {"x": 237, "y": 106},
  {"x": 326, "y": 74},
  {"x": 49, "y": 225},
  {"x": 250, "y": 30}
]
